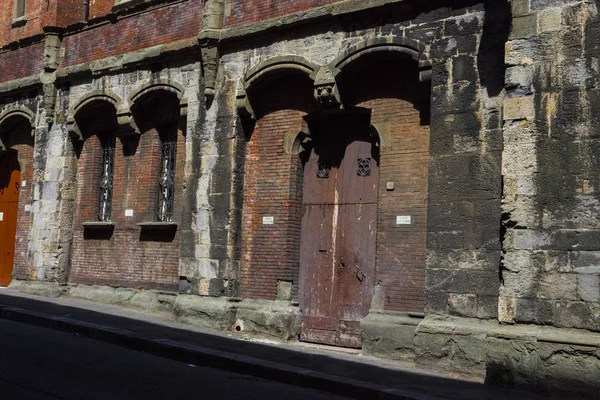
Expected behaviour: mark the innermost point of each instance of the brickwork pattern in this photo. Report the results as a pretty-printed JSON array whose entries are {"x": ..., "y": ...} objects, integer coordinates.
[
  {"x": 402, "y": 250},
  {"x": 21, "y": 63},
  {"x": 158, "y": 26},
  {"x": 244, "y": 12},
  {"x": 24, "y": 220},
  {"x": 34, "y": 14},
  {"x": 273, "y": 188},
  {"x": 129, "y": 257}
]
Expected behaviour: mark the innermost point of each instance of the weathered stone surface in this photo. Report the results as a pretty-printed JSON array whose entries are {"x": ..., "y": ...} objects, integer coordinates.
[{"x": 389, "y": 335}]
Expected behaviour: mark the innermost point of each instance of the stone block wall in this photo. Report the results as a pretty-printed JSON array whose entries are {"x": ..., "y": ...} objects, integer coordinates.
[
  {"x": 551, "y": 190},
  {"x": 465, "y": 180}
]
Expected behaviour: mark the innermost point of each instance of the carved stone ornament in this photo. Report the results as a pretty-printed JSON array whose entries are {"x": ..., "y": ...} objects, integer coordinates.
[{"x": 326, "y": 95}]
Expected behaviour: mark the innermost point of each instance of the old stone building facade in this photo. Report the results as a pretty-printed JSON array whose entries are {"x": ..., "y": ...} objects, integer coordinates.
[{"x": 417, "y": 178}]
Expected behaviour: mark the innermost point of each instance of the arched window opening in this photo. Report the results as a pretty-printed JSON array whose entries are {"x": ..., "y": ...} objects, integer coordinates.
[
  {"x": 106, "y": 179},
  {"x": 166, "y": 180}
]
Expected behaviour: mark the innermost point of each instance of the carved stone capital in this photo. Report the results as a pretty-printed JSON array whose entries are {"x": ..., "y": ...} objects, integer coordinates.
[
  {"x": 74, "y": 131},
  {"x": 127, "y": 125},
  {"x": 243, "y": 106},
  {"x": 210, "y": 66},
  {"x": 327, "y": 95},
  {"x": 326, "y": 92}
]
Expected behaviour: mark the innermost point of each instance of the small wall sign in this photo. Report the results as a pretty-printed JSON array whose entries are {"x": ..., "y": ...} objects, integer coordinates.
[
  {"x": 27, "y": 207},
  {"x": 129, "y": 213},
  {"x": 403, "y": 220},
  {"x": 23, "y": 183},
  {"x": 268, "y": 220}
]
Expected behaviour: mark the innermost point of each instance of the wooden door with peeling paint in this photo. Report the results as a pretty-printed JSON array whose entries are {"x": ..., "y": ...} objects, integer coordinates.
[
  {"x": 10, "y": 184},
  {"x": 339, "y": 229}
]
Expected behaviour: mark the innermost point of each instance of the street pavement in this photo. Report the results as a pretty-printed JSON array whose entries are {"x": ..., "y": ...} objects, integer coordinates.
[
  {"x": 347, "y": 375},
  {"x": 41, "y": 364}
]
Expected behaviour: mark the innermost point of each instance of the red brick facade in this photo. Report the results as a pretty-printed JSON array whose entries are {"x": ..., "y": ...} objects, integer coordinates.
[
  {"x": 244, "y": 12},
  {"x": 24, "y": 147},
  {"x": 130, "y": 256},
  {"x": 21, "y": 63},
  {"x": 273, "y": 188},
  {"x": 273, "y": 185},
  {"x": 158, "y": 26}
]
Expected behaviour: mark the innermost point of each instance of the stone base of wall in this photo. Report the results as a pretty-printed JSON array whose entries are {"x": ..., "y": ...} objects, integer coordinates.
[
  {"x": 273, "y": 318},
  {"x": 541, "y": 358},
  {"x": 389, "y": 334}
]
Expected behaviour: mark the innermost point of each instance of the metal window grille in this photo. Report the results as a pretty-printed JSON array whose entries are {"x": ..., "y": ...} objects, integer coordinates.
[
  {"x": 166, "y": 182},
  {"x": 19, "y": 8},
  {"x": 106, "y": 181}
]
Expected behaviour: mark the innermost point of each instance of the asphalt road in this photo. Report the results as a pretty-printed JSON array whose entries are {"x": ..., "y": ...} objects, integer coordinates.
[{"x": 40, "y": 364}]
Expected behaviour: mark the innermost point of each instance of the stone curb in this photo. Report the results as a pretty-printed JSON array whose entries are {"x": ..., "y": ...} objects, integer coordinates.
[{"x": 206, "y": 357}]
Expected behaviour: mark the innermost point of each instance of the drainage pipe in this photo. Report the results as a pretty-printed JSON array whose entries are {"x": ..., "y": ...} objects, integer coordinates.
[{"x": 86, "y": 10}]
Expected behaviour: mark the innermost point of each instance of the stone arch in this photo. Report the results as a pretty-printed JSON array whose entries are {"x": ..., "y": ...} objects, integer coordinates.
[
  {"x": 16, "y": 112},
  {"x": 295, "y": 141},
  {"x": 158, "y": 85},
  {"x": 94, "y": 97},
  {"x": 410, "y": 47},
  {"x": 268, "y": 68},
  {"x": 148, "y": 90}
]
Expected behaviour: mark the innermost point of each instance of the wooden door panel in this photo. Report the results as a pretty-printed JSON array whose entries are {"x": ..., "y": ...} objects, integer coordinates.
[
  {"x": 338, "y": 235},
  {"x": 358, "y": 229},
  {"x": 10, "y": 184},
  {"x": 318, "y": 258}
]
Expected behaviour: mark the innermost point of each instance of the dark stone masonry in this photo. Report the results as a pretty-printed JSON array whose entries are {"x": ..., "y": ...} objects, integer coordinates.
[{"x": 416, "y": 178}]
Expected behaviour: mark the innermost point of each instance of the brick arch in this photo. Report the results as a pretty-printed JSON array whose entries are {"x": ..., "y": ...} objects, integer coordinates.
[
  {"x": 267, "y": 69},
  {"x": 15, "y": 113}
]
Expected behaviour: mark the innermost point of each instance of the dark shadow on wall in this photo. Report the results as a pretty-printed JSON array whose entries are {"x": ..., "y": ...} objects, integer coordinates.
[{"x": 490, "y": 58}]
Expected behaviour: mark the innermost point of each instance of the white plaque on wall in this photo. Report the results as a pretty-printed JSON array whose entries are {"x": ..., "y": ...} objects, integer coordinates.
[
  {"x": 403, "y": 220},
  {"x": 268, "y": 220},
  {"x": 129, "y": 213},
  {"x": 23, "y": 183}
]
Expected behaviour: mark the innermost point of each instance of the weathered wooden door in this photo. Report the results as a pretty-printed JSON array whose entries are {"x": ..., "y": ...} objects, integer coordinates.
[
  {"x": 339, "y": 229},
  {"x": 10, "y": 184}
]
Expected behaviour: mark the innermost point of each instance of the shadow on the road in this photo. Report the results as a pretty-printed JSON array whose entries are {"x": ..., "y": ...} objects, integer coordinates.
[{"x": 143, "y": 336}]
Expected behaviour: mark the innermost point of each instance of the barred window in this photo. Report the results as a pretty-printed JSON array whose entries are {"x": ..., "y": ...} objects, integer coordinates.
[
  {"x": 106, "y": 180},
  {"x": 166, "y": 181},
  {"x": 19, "y": 8}
]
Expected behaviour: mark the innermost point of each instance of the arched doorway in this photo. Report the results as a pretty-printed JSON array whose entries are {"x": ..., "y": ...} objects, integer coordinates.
[
  {"x": 16, "y": 178},
  {"x": 339, "y": 229},
  {"x": 10, "y": 185}
]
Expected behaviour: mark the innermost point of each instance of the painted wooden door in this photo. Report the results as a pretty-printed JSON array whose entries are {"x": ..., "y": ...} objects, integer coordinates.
[
  {"x": 10, "y": 184},
  {"x": 339, "y": 227}
]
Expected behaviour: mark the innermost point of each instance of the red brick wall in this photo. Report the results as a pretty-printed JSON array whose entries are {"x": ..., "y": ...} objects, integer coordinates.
[
  {"x": 127, "y": 258},
  {"x": 162, "y": 25},
  {"x": 392, "y": 91},
  {"x": 273, "y": 187},
  {"x": 245, "y": 12},
  {"x": 271, "y": 252},
  {"x": 401, "y": 250},
  {"x": 71, "y": 11},
  {"x": 21, "y": 263},
  {"x": 35, "y": 13},
  {"x": 21, "y": 63}
]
